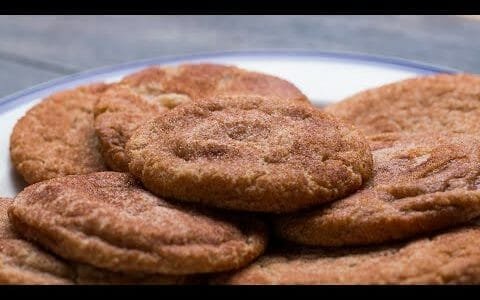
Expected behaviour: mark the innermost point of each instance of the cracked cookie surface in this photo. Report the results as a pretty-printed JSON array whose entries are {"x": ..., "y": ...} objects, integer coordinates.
[
  {"x": 57, "y": 136},
  {"x": 22, "y": 262},
  {"x": 250, "y": 153},
  {"x": 448, "y": 258},
  {"x": 141, "y": 96},
  {"x": 108, "y": 221},
  {"x": 444, "y": 103},
  {"x": 421, "y": 182},
  {"x": 6, "y": 230}
]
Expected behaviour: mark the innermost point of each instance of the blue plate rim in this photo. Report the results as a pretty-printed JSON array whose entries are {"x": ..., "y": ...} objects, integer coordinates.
[{"x": 8, "y": 101}]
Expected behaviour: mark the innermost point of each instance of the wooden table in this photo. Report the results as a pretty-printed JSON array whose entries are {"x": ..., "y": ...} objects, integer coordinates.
[{"x": 35, "y": 49}]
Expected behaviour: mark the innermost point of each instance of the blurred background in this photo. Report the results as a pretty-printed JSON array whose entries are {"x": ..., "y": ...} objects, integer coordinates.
[{"x": 35, "y": 49}]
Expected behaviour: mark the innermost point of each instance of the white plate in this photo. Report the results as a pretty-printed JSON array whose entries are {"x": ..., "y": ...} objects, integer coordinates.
[{"x": 324, "y": 77}]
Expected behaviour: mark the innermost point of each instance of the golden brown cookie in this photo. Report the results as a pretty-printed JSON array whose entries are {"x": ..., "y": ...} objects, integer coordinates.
[
  {"x": 24, "y": 263},
  {"x": 431, "y": 103},
  {"x": 108, "y": 221},
  {"x": 250, "y": 153},
  {"x": 421, "y": 182},
  {"x": 450, "y": 257},
  {"x": 146, "y": 94},
  {"x": 57, "y": 136}
]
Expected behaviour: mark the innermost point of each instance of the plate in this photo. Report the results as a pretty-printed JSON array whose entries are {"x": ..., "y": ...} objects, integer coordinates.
[{"x": 324, "y": 77}]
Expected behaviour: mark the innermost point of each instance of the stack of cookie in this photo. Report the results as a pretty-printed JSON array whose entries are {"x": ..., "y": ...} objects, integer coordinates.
[{"x": 207, "y": 173}]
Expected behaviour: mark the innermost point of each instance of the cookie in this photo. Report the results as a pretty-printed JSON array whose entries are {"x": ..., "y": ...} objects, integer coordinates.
[
  {"x": 448, "y": 258},
  {"x": 57, "y": 136},
  {"x": 443, "y": 103},
  {"x": 421, "y": 182},
  {"x": 146, "y": 94},
  {"x": 249, "y": 153},
  {"x": 108, "y": 221},
  {"x": 24, "y": 263}
]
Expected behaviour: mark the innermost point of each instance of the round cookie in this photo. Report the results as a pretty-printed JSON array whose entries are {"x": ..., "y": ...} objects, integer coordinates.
[
  {"x": 448, "y": 258},
  {"x": 421, "y": 182},
  {"x": 24, "y": 263},
  {"x": 146, "y": 94},
  {"x": 108, "y": 221},
  {"x": 430, "y": 103},
  {"x": 57, "y": 136},
  {"x": 249, "y": 153}
]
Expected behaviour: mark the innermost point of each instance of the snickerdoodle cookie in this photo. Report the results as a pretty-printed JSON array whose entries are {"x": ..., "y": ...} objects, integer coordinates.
[
  {"x": 108, "y": 221},
  {"x": 143, "y": 95},
  {"x": 57, "y": 136},
  {"x": 429, "y": 103},
  {"x": 250, "y": 153},
  {"x": 447, "y": 258},
  {"x": 22, "y": 262},
  {"x": 421, "y": 182}
]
